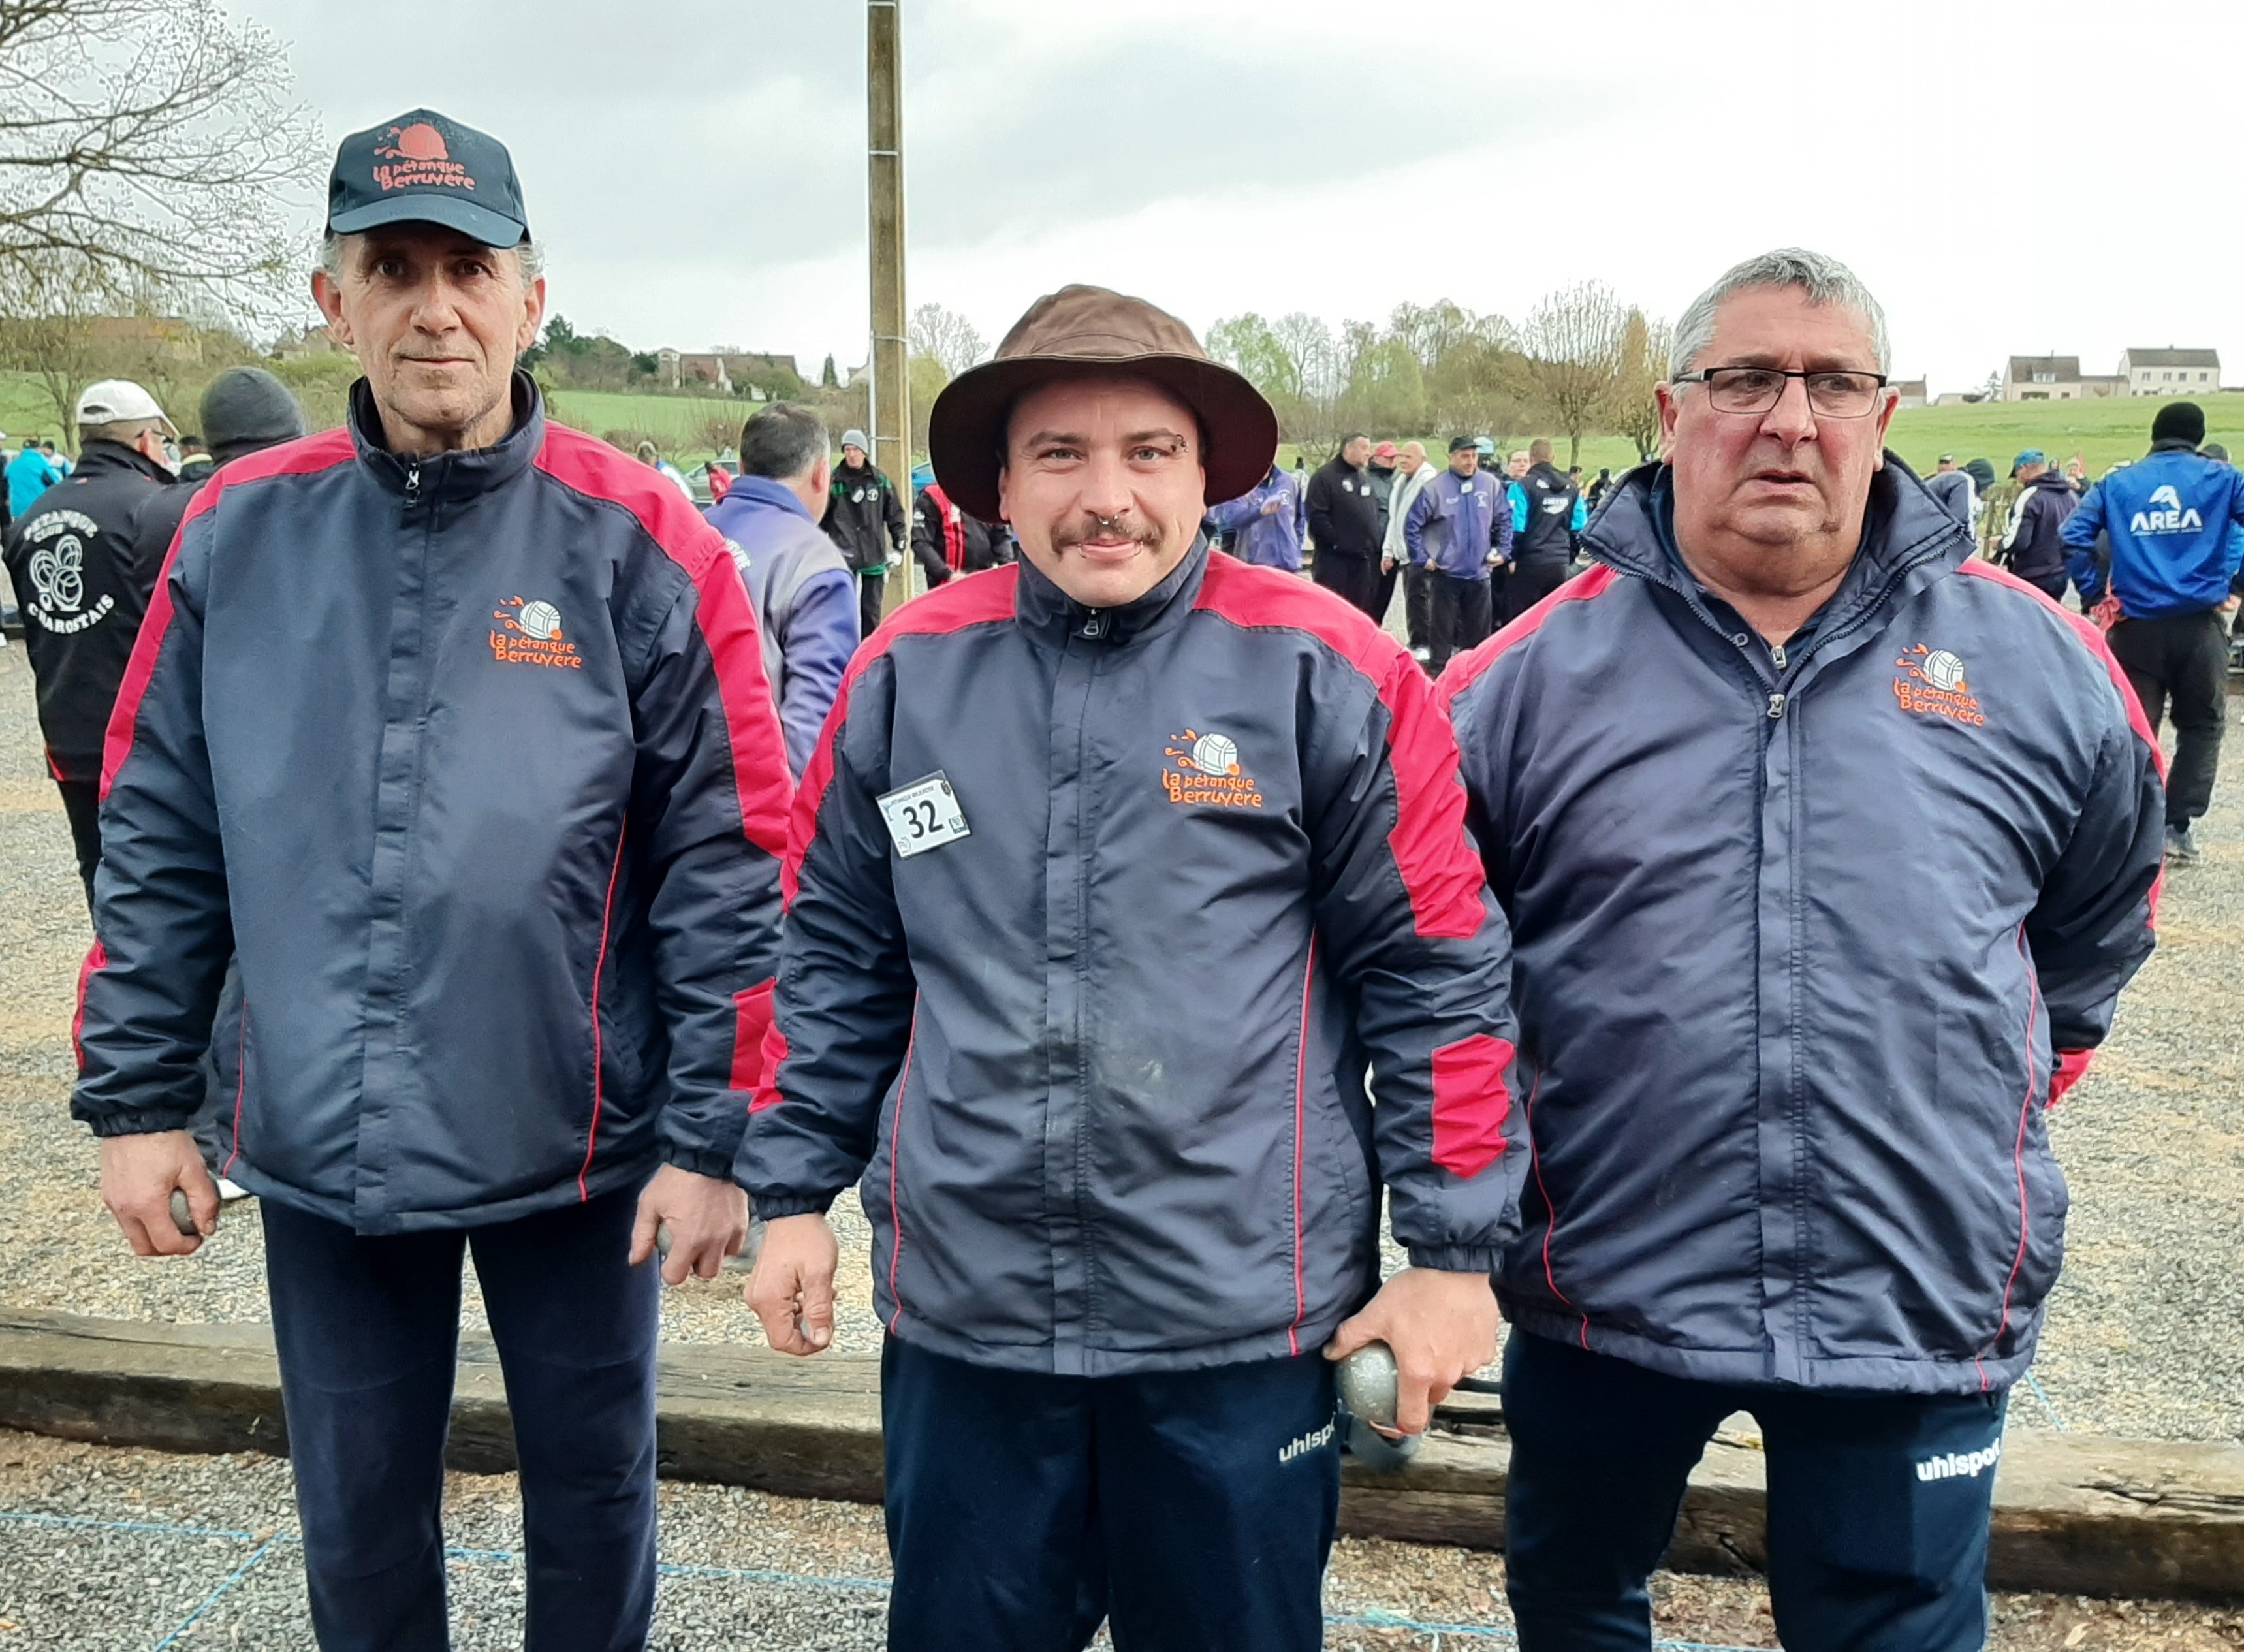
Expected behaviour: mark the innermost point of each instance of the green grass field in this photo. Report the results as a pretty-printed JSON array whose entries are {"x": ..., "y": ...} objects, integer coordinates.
[
  {"x": 2102, "y": 432},
  {"x": 683, "y": 419}
]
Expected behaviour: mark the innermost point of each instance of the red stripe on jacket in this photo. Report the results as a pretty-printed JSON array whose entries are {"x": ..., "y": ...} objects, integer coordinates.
[
  {"x": 307, "y": 457},
  {"x": 721, "y": 610},
  {"x": 979, "y": 601},
  {"x": 1468, "y": 668},
  {"x": 1441, "y": 874},
  {"x": 1470, "y": 1103}
]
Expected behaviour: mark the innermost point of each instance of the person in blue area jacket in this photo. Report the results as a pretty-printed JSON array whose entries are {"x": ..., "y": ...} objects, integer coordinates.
[
  {"x": 805, "y": 595},
  {"x": 1828, "y": 849},
  {"x": 1268, "y": 520},
  {"x": 2171, "y": 520},
  {"x": 1457, "y": 529},
  {"x": 451, "y": 728},
  {"x": 1547, "y": 512}
]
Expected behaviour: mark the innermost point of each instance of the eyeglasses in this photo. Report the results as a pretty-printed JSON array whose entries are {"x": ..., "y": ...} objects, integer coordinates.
[{"x": 1756, "y": 390}]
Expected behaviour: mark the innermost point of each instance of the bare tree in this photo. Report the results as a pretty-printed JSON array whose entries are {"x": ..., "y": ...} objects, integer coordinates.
[
  {"x": 944, "y": 336},
  {"x": 1641, "y": 365},
  {"x": 1573, "y": 344},
  {"x": 144, "y": 144},
  {"x": 56, "y": 348}
]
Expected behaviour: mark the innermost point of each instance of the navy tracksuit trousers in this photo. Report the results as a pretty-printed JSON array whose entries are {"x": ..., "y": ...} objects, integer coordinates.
[
  {"x": 1878, "y": 1503},
  {"x": 367, "y": 1332},
  {"x": 1192, "y": 1509}
]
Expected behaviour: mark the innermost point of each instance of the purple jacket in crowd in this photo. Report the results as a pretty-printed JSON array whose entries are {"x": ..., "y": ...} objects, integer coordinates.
[
  {"x": 1272, "y": 541},
  {"x": 1456, "y": 521},
  {"x": 806, "y": 601}
]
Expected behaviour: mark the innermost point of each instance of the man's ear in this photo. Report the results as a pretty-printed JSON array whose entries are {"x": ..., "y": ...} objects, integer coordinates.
[
  {"x": 533, "y": 316},
  {"x": 329, "y": 297},
  {"x": 1004, "y": 505}
]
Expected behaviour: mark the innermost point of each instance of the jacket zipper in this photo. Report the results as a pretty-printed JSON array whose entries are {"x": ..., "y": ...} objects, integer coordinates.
[{"x": 413, "y": 482}]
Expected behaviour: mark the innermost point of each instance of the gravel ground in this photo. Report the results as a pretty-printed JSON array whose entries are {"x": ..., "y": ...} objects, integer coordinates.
[{"x": 107, "y": 1550}]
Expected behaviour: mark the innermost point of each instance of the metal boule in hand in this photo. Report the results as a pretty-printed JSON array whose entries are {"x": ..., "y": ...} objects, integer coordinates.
[
  {"x": 182, "y": 1217},
  {"x": 1369, "y": 1384},
  {"x": 663, "y": 1241}
]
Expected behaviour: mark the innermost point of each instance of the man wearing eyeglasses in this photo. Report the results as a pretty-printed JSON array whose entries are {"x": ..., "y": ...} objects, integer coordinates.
[{"x": 1828, "y": 849}]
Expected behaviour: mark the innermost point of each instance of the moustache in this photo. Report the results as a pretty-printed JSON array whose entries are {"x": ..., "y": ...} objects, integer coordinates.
[{"x": 1105, "y": 528}]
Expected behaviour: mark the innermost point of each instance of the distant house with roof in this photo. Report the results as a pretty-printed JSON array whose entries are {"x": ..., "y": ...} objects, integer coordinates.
[
  {"x": 2042, "y": 378},
  {"x": 2171, "y": 372},
  {"x": 728, "y": 370},
  {"x": 1912, "y": 392}
]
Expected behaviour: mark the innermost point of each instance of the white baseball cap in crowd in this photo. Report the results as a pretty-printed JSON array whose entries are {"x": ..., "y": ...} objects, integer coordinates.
[{"x": 118, "y": 401}]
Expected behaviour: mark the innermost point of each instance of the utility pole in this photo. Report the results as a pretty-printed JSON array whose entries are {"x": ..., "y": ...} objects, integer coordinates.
[{"x": 891, "y": 374}]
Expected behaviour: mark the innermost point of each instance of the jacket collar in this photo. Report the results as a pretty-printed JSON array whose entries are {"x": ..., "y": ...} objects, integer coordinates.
[
  {"x": 1903, "y": 525},
  {"x": 761, "y": 492},
  {"x": 2174, "y": 444},
  {"x": 1050, "y": 615},
  {"x": 450, "y": 475},
  {"x": 112, "y": 459}
]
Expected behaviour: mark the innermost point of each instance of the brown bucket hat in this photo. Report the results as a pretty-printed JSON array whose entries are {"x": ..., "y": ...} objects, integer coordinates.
[{"x": 1081, "y": 327}]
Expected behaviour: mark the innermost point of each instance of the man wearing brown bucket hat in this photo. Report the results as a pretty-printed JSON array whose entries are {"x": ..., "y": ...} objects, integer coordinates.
[{"x": 1112, "y": 871}]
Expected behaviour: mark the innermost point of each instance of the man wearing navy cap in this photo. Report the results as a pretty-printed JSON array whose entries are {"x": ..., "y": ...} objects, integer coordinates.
[
  {"x": 452, "y": 728},
  {"x": 2032, "y": 548}
]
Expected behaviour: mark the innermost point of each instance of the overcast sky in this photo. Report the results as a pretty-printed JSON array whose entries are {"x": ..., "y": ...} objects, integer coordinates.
[{"x": 2007, "y": 178}]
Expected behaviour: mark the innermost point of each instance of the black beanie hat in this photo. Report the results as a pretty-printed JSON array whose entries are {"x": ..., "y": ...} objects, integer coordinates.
[
  {"x": 2178, "y": 422},
  {"x": 246, "y": 409}
]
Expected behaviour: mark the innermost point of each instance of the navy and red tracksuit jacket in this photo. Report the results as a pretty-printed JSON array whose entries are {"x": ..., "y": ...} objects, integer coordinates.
[
  {"x": 1100, "y": 1062},
  {"x": 1808, "y": 941},
  {"x": 471, "y": 761}
]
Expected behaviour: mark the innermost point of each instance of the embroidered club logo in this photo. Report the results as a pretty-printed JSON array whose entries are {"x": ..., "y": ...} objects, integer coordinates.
[
  {"x": 529, "y": 634},
  {"x": 1932, "y": 684},
  {"x": 1203, "y": 769},
  {"x": 418, "y": 159}
]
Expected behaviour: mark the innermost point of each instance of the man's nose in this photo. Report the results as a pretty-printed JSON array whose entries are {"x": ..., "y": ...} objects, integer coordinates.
[
  {"x": 1106, "y": 486},
  {"x": 1792, "y": 420},
  {"x": 434, "y": 308}
]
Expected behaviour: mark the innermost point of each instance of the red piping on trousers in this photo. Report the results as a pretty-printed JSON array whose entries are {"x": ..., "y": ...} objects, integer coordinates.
[{"x": 599, "y": 963}]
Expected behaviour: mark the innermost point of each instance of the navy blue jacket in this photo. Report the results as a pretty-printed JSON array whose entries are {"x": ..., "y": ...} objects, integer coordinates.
[
  {"x": 2169, "y": 519},
  {"x": 2033, "y": 545},
  {"x": 1803, "y": 950},
  {"x": 471, "y": 760},
  {"x": 1100, "y": 1062}
]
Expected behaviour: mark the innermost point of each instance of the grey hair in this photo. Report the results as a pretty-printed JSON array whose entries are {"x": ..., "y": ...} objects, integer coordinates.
[
  {"x": 528, "y": 258},
  {"x": 1824, "y": 278}
]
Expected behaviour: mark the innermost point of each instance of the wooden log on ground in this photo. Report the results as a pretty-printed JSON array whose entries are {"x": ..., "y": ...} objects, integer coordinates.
[{"x": 2074, "y": 1515}]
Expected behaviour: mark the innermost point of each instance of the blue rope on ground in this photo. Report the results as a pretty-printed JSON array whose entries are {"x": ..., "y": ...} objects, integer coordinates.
[
  {"x": 1373, "y": 1619},
  {"x": 217, "y": 1593},
  {"x": 2042, "y": 1394},
  {"x": 125, "y": 1526}
]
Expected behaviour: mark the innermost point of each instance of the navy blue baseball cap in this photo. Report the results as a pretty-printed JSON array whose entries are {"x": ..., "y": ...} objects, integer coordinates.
[{"x": 425, "y": 168}]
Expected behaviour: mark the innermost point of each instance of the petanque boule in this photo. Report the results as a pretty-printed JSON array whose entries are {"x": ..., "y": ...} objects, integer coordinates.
[
  {"x": 182, "y": 1217},
  {"x": 1369, "y": 1384},
  {"x": 663, "y": 1242}
]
